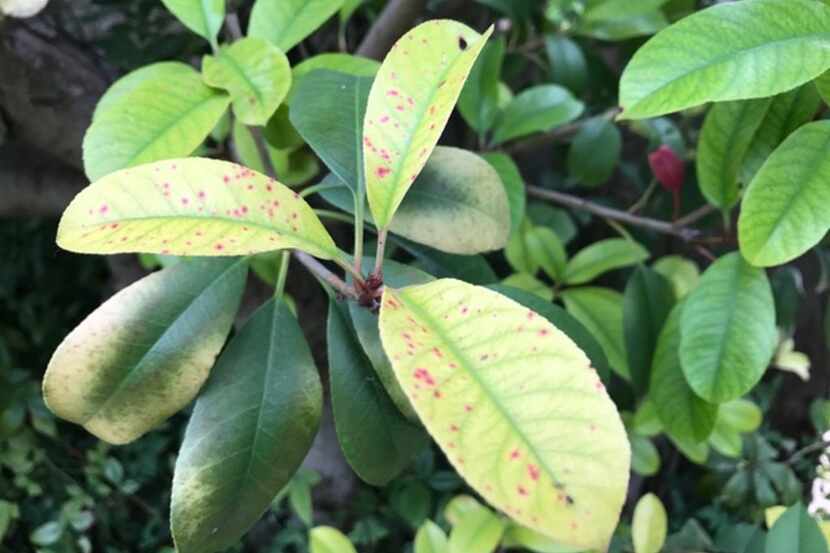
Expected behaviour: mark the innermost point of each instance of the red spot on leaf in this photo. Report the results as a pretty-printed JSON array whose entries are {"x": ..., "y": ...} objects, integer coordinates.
[
  {"x": 533, "y": 471},
  {"x": 381, "y": 172}
]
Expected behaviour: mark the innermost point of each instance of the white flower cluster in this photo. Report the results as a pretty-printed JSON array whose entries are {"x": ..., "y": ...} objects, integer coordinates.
[
  {"x": 820, "y": 504},
  {"x": 21, "y": 8}
]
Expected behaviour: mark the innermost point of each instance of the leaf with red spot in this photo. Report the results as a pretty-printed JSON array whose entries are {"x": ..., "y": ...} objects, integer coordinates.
[
  {"x": 514, "y": 404},
  {"x": 191, "y": 206},
  {"x": 410, "y": 102}
]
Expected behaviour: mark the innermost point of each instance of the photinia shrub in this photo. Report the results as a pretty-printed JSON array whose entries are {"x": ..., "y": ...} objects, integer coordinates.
[{"x": 511, "y": 387}]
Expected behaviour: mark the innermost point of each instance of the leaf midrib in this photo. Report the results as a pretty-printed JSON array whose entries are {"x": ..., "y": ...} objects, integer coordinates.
[
  {"x": 718, "y": 60},
  {"x": 467, "y": 365}
]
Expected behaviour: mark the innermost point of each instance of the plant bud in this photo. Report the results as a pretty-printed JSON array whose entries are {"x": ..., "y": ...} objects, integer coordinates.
[{"x": 668, "y": 169}]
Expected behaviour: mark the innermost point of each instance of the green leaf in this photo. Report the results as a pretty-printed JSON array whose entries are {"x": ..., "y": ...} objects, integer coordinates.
[
  {"x": 728, "y": 330},
  {"x": 795, "y": 532},
  {"x": 600, "y": 310},
  {"x": 514, "y": 186},
  {"x": 686, "y": 418},
  {"x": 294, "y": 166},
  {"x": 565, "y": 322},
  {"x": 47, "y": 534},
  {"x": 357, "y": 66},
  {"x": 732, "y": 51},
  {"x": 786, "y": 113},
  {"x": 460, "y": 506},
  {"x": 517, "y": 251},
  {"x": 203, "y": 17},
  {"x": 409, "y": 105},
  {"x": 645, "y": 459},
  {"x": 601, "y": 257},
  {"x": 547, "y": 251},
  {"x": 516, "y": 536},
  {"x": 487, "y": 402},
  {"x": 412, "y": 501},
  {"x": 568, "y": 66},
  {"x": 530, "y": 284},
  {"x": 543, "y": 214},
  {"x": 649, "y": 525},
  {"x": 594, "y": 152},
  {"x": 783, "y": 213},
  {"x": 144, "y": 353},
  {"x": 478, "y": 102},
  {"x": 681, "y": 272},
  {"x": 431, "y": 539},
  {"x": 823, "y": 86},
  {"x": 740, "y": 415},
  {"x": 478, "y": 531},
  {"x": 150, "y": 115},
  {"x": 287, "y": 22},
  {"x": 251, "y": 428},
  {"x": 471, "y": 268},
  {"x": 334, "y": 134},
  {"x": 257, "y": 75},
  {"x": 647, "y": 302},
  {"x": 325, "y": 539},
  {"x": 724, "y": 141},
  {"x": 377, "y": 441},
  {"x": 624, "y": 25},
  {"x": 537, "y": 109},
  {"x": 457, "y": 204},
  {"x": 192, "y": 206},
  {"x": 366, "y": 326}
]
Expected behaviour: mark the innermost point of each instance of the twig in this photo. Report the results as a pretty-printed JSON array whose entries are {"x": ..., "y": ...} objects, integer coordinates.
[
  {"x": 685, "y": 233},
  {"x": 397, "y": 17},
  {"x": 321, "y": 271},
  {"x": 695, "y": 215}
]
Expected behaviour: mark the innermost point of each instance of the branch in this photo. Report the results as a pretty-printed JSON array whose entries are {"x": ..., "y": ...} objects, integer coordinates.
[
  {"x": 318, "y": 269},
  {"x": 687, "y": 234},
  {"x": 394, "y": 21}
]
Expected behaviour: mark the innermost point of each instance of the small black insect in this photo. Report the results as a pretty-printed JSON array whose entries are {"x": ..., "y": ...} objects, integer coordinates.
[{"x": 462, "y": 43}]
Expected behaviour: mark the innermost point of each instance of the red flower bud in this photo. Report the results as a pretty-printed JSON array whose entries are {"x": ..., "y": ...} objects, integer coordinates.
[{"x": 668, "y": 169}]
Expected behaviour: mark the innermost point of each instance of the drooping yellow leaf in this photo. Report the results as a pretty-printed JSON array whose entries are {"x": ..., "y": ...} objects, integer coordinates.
[
  {"x": 410, "y": 102},
  {"x": 514, "y": 404},
  {"x": 191, "y": 206}
]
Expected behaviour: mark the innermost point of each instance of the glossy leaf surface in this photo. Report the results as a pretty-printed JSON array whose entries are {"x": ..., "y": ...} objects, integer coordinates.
[
  {"x": 502, "y": 391},
  {"x": 603, "y": 256},
  {"x": 728, "y": 330},
  {"x": 784, "y": 211},
  {"x": 251, "y": 428},
  {"x": 686, "y": 417},
  {"x": 732, "y": 51}
]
